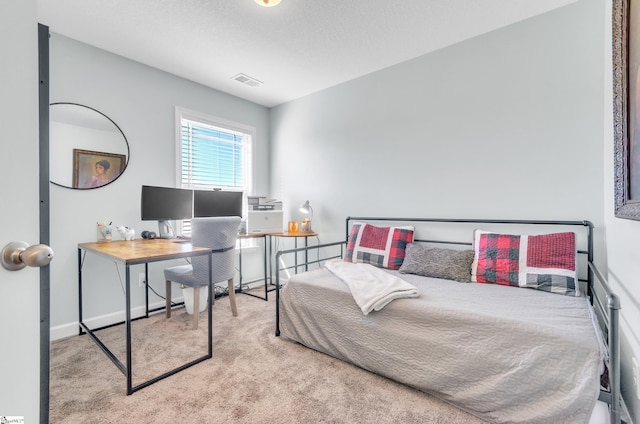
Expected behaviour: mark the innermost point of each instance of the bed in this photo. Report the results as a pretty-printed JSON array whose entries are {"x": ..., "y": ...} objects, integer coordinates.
[{"x": 504, "y": 352}]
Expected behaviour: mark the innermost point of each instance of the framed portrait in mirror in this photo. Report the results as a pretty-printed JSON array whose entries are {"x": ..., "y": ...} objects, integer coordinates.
[{"x": 95, "y": 169}]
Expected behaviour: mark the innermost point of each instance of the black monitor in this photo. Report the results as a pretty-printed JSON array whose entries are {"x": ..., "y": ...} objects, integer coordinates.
[
  {"x": 164, "y": 204},
  {"x": 208, "y": 203}
]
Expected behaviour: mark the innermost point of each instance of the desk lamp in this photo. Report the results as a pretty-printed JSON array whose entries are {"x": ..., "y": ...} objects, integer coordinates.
[{"x": 306, "y": 223}]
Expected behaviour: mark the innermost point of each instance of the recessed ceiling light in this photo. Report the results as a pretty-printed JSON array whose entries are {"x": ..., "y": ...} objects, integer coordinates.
[{"x": 268, "y": 3}]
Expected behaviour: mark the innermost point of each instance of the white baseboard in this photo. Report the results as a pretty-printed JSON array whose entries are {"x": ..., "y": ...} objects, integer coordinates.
[{"x": 73, "y": 328}]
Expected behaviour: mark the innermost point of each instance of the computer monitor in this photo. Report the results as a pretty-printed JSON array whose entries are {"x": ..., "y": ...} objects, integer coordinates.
[
  {"x": 164, "y": 204},
  {"x": 208, "y": 203}
]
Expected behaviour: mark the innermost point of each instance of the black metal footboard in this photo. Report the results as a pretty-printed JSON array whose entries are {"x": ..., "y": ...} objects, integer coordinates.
[{"x": 320, "y": 258}]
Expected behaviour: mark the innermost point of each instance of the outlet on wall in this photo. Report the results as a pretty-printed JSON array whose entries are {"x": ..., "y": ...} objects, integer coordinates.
[
  {"x": 636, "y": 377},
  {"x": 141, "y": 279}
]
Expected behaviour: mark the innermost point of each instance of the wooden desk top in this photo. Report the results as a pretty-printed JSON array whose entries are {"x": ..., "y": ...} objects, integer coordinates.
[
  {"x": 143, "y": 250},
  {"x": 296, "y": 234},
  {"x": 278, "y": 234}
]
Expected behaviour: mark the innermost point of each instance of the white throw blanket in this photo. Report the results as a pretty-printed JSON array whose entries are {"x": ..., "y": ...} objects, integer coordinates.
[{"x": 372, "y": 288}]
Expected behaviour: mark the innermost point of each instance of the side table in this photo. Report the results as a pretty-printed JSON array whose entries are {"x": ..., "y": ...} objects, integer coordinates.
[{"x": 268, "y": 253}]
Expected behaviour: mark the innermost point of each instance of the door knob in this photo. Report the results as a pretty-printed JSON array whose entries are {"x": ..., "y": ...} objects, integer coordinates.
[{"x": 18, "y": 254}]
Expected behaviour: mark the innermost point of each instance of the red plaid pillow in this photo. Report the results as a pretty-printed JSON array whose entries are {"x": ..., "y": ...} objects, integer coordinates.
[
  {"x": 544, "y": 262},
  {"x": 383, "y": 247}
]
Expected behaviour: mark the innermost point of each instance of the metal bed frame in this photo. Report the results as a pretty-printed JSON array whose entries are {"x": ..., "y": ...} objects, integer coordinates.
[{"x": 607, "y": 310}]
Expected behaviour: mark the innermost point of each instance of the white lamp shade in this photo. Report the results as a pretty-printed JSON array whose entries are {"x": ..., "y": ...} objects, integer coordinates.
[{"x": 306, "y": 208}]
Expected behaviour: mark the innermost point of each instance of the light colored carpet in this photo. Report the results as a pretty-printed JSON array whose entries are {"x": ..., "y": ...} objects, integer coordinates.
[{"x": 253, "y": 377}]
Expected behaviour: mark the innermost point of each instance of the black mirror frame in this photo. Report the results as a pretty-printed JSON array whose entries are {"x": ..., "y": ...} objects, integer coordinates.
[{"x": 126, "y": 164}]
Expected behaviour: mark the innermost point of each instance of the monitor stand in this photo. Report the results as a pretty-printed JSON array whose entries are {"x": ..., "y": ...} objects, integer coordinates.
[{"x": 165, "y": 229}]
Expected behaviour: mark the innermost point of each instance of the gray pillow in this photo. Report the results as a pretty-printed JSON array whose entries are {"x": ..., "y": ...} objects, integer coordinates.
[{"x": 438, "y": 263}]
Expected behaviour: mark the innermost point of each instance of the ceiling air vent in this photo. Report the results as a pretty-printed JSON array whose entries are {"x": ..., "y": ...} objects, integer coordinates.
[{"x": 247, "y": 80}]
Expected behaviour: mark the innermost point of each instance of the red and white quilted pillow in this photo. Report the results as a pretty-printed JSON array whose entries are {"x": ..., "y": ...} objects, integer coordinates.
[
  {"x": 383, "y": 247},
  {"x": 543, "y": 262}
]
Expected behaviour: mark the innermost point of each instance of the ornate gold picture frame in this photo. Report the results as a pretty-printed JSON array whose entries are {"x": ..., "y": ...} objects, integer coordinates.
[
  {"x": 96, "y": 169},
  {"x": 626, "y": 107}
]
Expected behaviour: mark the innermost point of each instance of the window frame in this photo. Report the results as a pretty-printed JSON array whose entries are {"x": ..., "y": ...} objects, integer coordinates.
[{"x": 224, "y": 124}]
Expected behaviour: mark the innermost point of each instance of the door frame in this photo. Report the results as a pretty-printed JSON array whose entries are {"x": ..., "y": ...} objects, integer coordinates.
[{"x": 43, "y": 187}]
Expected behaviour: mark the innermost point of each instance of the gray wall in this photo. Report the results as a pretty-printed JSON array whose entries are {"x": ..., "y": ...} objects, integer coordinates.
[
  {"x": 141, "y": 100},
  {"x": 508, "y": 124}
]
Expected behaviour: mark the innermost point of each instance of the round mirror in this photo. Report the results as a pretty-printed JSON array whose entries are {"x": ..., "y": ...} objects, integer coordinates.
[{"x": 87, "y": 149}]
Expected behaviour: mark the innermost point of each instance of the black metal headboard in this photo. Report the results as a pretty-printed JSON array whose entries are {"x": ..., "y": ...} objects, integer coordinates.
[{"x": 588, "y": 249}]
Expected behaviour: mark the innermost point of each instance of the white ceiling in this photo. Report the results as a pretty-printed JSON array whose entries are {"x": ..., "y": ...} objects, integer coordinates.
[{"x": 296, "y": 48}]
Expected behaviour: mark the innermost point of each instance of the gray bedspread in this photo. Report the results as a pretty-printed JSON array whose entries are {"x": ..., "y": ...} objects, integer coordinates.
[{"x": 504, "y": 354}]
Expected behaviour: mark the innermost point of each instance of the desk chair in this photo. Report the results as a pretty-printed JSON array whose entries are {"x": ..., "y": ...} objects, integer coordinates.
[{"x": 220, "y": 234}]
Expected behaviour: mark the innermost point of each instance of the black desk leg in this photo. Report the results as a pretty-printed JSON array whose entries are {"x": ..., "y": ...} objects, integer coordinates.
[
  {"x": 80, "y": 332},
  {"x": 146, "y": 289},
  {"x": 267, "y": 270},
  {"x": 240, "y": 264},
  {"x": 267, "y": 281},
  {"x": 128, "y": 326},
  {"x": 210, "y": 314}
]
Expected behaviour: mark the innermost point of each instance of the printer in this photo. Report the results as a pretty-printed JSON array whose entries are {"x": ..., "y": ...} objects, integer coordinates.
[{"x": 264, "y": 215}]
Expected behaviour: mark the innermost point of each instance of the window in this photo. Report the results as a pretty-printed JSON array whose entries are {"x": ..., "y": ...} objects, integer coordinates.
[{"x": 213, "y": 153}]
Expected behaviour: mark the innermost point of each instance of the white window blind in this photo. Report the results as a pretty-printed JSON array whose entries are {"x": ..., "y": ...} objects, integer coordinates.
[
  {"x": 213, "y": 153},
  {"x": 212, "y": 157}
]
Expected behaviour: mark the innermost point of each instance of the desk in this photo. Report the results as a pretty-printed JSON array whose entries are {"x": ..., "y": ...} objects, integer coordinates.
[
  {"x": 132, "y": 253},
  {"x": 268, "y": 266}
]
